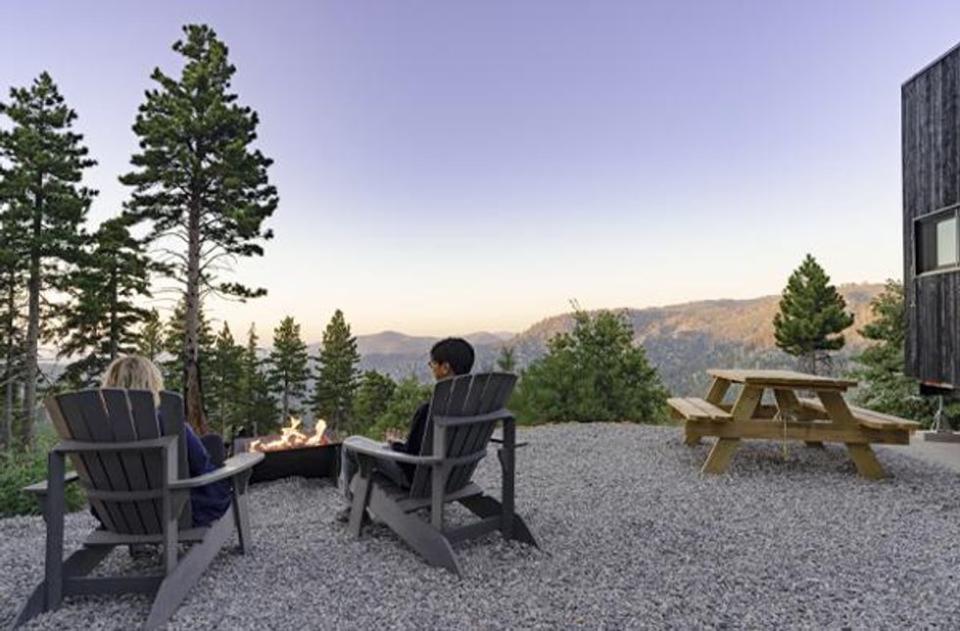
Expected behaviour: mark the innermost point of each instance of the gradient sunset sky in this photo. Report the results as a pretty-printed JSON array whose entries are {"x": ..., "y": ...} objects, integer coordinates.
[{"x": 446, "y": 167}]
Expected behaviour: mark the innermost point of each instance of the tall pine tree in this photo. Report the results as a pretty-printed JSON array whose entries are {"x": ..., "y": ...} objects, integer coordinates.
[
  {"x": 173, "y": 367},
  {"x": 223, "y": 382},
  {"x": 337, "y": 374},
  {"x": 289, "y": 367},
  {"x": 12, "y": 287},
  {"x": 371, "y": 401},
  {"x": 102, "y": 320},
  {"x": 200, "y": 184},
  {"x": 44, "y": 161},
  {"x": 258, "y": 406},
  {"x": 812, "y": 317},
  {"x": 150, "y": 338}
]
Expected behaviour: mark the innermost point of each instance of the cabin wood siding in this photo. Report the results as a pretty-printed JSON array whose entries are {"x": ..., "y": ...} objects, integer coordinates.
[{"x": 930, "y": 111}]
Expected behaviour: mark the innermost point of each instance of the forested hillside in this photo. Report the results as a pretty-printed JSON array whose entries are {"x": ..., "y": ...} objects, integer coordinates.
[{"x": 681, "y": 340}]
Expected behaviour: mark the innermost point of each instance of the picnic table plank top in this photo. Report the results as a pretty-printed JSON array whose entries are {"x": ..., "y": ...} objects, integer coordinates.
[{"x": 781, "y": 378}]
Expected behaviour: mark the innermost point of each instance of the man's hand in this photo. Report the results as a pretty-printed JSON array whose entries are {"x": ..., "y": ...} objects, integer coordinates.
[{"x": 394, "y": 436}]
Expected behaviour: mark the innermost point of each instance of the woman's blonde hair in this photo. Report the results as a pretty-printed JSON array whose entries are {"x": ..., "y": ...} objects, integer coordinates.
[{"x": 133, "y": 372}]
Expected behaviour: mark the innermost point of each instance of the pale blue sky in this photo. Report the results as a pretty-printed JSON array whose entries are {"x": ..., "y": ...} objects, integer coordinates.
[{"x": 445, "y": 167}]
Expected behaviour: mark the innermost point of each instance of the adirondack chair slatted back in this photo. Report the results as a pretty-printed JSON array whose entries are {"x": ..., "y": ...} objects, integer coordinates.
[
  {"x": 111, "y": 415},
  {"x": 463, "y": 396}
]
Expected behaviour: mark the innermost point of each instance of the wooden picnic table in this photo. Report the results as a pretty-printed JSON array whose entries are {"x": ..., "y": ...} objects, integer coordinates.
[{"x": 824, "y": 418}]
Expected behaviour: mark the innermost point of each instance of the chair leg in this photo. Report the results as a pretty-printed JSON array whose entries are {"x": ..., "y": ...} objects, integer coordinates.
[
  {"x": 427, "y": 541},
  {"x": 80, "y": 563},
  {"x": 241, "y": 513},
  {"x": 361, "y": 499},
  {"x": 55, "y": 504},
  {"x": 438, "y": 483},
  {"x": 486, "y": 506},
  {"x": 177, "y": 584}
]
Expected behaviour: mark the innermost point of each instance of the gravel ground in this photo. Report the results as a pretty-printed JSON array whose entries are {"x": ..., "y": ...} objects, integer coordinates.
[{"x": 631, "y": 536}]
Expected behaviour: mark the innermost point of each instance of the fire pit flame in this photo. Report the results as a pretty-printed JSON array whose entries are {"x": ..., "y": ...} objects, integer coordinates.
[{"x": 292, "y": 438}]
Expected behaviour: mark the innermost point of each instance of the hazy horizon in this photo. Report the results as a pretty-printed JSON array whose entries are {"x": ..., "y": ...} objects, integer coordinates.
[{"x": 448, "y": 167}]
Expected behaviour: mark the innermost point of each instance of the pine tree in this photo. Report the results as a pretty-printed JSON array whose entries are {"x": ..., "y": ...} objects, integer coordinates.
[
  {"x": 223, "y": 381},
  {"x": 258, "y": 407},
  {"x": 173, "y": 367},
  {"x": 883, "y": 385},
  {"x": 289, "y": 367},
  {"x": 594, "y": 373},
  {"x": 150, "y": 339},
  {"x": 337, "y": 372},
  {"x": 45, "y": 160},
  {"x": 812, "y": 317},
  {"x": 12, "y": 287},
  {"x": 198, "y": 179},
  {"x": 372, "y": 398},
  {"x": 507, "y": 360},
  {"x": 101, "y": 321},
  {"x": 406, "y": 397}
]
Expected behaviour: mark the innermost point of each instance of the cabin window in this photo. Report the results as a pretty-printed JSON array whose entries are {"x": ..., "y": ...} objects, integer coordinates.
[
  {"x": 938, "y": 241},
  {"x": 947, "y": 242}
]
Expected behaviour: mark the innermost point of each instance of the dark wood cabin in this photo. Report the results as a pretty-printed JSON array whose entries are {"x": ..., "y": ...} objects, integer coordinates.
[{"x": 930, "y": 111}]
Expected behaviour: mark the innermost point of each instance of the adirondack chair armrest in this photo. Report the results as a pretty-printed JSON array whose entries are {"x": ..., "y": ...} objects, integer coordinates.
[
  {"x": 231, "y": 467},
  {"x": 40, "y": 488},
  {"x": 366, "y": 447},
  {"x": 77, "y": 446},
  {"x": 452, "y": 421}
]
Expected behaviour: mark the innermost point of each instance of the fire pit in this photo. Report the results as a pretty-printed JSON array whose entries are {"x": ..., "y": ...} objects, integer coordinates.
[{"x": 293, "y": 453}]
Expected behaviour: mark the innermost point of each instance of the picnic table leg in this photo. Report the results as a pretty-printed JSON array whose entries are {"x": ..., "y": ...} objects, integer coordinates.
[
  {"x": 720, "y": 455},
  {"x": 861, "y": 453},
  {"x": 866, "y": 461},
  {"x": 788, "y": 403},
  {"x": 743, "y": 410},
  {"x": 718, "y": 389}
]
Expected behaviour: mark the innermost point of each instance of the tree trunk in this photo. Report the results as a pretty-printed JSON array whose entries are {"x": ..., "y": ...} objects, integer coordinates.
[
  {"x": 114, "y": 322},
  {"x": 9, "y": 371},
  {"x": 808, "y": 363},
  {"x": 7, "y": 422},
  {"x": 286, "y": 405},
  {"x": 192, "y": 383},
  {"x": 33, "y": 330}
]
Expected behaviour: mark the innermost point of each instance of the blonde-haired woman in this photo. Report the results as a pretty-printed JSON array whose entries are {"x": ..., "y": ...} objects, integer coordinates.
[{"x": 133, "y": 372}]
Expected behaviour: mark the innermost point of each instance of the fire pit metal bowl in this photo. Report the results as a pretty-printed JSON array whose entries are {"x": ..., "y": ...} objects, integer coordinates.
[{"x": 321, "y": 461}]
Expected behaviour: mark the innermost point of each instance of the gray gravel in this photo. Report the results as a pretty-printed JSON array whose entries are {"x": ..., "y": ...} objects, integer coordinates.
[{"x": 631, "y": 536}]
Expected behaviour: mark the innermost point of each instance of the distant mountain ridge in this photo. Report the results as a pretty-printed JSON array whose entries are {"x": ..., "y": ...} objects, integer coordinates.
[
  {"x": 681, "y": 340},
  {"x": 393, "y": 342}
]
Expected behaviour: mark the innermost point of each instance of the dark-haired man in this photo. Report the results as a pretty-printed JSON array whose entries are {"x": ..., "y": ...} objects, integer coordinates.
[{"x": 449, "y": 357}]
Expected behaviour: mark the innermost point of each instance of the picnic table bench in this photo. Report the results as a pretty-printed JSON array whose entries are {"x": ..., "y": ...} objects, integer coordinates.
[{"x": 825, "y": 418}]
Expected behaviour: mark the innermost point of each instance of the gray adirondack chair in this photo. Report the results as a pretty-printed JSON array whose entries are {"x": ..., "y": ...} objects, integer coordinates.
[
  {"x": 463, "y": 413},
  {"x": 133, "y": 467}
]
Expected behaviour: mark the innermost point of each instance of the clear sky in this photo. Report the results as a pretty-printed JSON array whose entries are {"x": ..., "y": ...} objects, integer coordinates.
[{"x": 446, "y": 167}]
